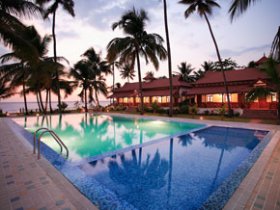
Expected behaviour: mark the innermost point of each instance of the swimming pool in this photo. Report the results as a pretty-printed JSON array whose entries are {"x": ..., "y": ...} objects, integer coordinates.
[
  {"x": 88, "y": 136},
  {"x": 175, "y": 173}
]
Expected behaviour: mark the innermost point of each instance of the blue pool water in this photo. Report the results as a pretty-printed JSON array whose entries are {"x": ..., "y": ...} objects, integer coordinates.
[
  {"x": 174, "y": 174},
  {"x": 177, "y": 173}
]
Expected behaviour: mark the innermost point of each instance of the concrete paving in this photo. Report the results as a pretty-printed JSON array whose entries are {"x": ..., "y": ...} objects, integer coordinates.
[{"x": 30, "y": 184}]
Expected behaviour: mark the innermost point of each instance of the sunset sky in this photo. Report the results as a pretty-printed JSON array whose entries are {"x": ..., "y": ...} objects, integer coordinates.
[{"x": 247, "y": 38}]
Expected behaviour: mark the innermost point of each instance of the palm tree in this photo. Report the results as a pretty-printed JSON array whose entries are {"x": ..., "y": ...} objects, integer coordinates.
[
  {"x": 68, "y": 6},
  {"x": 88, "y": 75},
  {"x": 204, "y": 8},
  {"x": 275, "y": 47},
  {"x": 185, "y": 70},
  {"x": 208, "y": 66},
  {"x": 239, "y": 6},
  {"x": 21, "y": 69},
  {"x": 168, "y": 58},
  {"x": 11, "y": 27},
  {"x": 270, "y": 68},
  {"x": 137, "y": 43},
  {"x": 127, "y": 72},
  {"x": 5, "y": 88}
]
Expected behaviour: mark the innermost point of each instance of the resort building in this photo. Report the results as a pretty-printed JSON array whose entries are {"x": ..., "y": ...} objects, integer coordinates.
[
  {"x": 154, "y": 90},
  {"x": 210, "y": 92}
]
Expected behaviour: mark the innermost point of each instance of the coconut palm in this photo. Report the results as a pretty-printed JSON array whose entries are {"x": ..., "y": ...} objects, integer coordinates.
[
  {"x": 204, "y": 8},
  {"x": 5, "y": 88},
  {"x": 208, "y": 66},
  {"x": 138, "y": 42},
  {"x": 271, "y": 69},
  {"x": 239, "y": 6},
  {"x": 127, "y": 72},
  {"x": 168, "y": 58},
  {"x": 11, "y": 27},
  {"x": 21, "y": 69},
  {"x": 275, "y": 47},
  {"x": 68, "y": 6},
  {"x": 88, "y": 75},
  {"x": 185, "y": 70}
]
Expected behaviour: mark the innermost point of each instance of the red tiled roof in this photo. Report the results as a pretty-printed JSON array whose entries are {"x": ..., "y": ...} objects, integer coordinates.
[
  {"x": 262, "y": 60},
  {"x": 218, "y": 89},
  {"x": 232, "y": 76},
  {"x": 165, "y": 92},
  {"x": 155, "y": 84}
]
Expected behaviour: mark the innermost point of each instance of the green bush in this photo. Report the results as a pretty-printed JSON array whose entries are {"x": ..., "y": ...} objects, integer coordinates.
[
  {"x": 184, "y": 109},
  {"x": 206, "y": 112},
  {"x": 155, "y": 107},
  {"x": 193, "y": 109}
]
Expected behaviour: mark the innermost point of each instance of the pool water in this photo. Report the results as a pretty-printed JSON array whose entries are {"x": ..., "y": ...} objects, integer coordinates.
[
  {"x": 179, "y": 173},
  {"x": 182, "y": 170},
  {"x": 91, "y": 135}
]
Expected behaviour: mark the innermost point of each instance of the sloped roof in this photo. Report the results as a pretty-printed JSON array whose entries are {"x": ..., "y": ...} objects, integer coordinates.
[
  {"x": 217, "y": 89},
  {"x": 262, "y": 60},
  {"x": 155, "y": 84},
  {"x": 247, "y": 74}
]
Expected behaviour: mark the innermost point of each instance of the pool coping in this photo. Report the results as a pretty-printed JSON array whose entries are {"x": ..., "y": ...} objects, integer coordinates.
[{"x": 218, "y": 123}]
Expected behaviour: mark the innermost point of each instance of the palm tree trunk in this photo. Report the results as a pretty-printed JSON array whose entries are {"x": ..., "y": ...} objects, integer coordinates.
[
  {"x": 221, "y": 63},
  {"x": 41, "y": 102},
  {"x": 97, "y": 99},
  {"x": 38, "y": 103},
  {"x": 24, "y": 91},
  {"x": 169, "y": 60},
  {"x": 47, "y": 98},
  {"x": 113, "y": 68},
  {"x": 86, "y": 109},
  {"x": 55, "y": 60},
  {"x": 278, "y": 107},
  {"x": 140, "y": 84},
  {"x": 50, "y": 101}
]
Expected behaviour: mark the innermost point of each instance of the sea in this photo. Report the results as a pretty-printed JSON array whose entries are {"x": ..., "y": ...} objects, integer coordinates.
[{"x": 13, "y": 107}]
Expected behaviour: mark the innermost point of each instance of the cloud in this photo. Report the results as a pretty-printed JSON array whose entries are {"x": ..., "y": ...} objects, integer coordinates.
[
  {"x": 233, "y": 53},
  {"x": 102, "y": 14}
]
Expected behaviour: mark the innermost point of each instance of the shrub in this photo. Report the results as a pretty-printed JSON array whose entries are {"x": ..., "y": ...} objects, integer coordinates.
[
  {"x": 184, "y": 109},
  {"x": 155, "y": 107},
  {"x": 193, "y": 109},
  {"x": 206, "y": 112}
]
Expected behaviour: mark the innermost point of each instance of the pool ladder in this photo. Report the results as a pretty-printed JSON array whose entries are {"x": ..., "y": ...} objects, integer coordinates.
[{"x": 55, "y": 137}]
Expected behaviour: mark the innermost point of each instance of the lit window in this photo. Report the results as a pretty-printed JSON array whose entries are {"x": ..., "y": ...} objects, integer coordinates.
[
  {"x": 209, "y": 98},
  {"x": 225, "y": 98},
  {"x": 273, "y": 97},
  {"x": 121, "y": 100},
  {"x": 146, "y": 99},
  {"x": 125, "y": 100}
]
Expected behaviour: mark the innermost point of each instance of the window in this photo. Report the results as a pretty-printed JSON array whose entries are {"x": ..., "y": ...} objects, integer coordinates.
[
  {"x": 273, "y": 97},
  {"x": 137, "y": 99},
  {"x": 146, "y": 99},
  {"x": 209, "y": 98}
]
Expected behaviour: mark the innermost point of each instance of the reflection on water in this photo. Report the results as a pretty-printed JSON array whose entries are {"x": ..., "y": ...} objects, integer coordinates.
[
  {"x": 88, "y": 135},
  {"x": 177, "y": 174}
]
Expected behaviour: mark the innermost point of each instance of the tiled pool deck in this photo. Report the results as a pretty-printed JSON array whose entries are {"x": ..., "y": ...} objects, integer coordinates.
[{"x": 28, "y": 183}]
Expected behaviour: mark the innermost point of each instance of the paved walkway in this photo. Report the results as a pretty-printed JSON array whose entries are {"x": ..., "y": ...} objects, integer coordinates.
[
  {"x": 29, "y": 184},
  {"x": 261, "y": 187}
]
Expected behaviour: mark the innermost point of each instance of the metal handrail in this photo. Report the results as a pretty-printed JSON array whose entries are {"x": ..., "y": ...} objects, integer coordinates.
[{"x": 56, "y": 138}]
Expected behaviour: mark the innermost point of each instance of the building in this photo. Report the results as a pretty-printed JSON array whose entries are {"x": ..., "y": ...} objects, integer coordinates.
[
  {"x": 210, "y": 91},
  {"x": 154, "y": 90}
]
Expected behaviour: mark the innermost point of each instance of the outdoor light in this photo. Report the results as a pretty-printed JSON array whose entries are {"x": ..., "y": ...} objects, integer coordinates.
[{"x": 201, "y": 117}]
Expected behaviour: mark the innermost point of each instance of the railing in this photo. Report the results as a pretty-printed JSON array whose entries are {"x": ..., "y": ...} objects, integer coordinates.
[{"x": 55, "y": 137}]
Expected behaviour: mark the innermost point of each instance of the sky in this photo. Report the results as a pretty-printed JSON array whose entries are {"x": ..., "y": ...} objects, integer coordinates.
[{"x": 247, "y": 38}]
